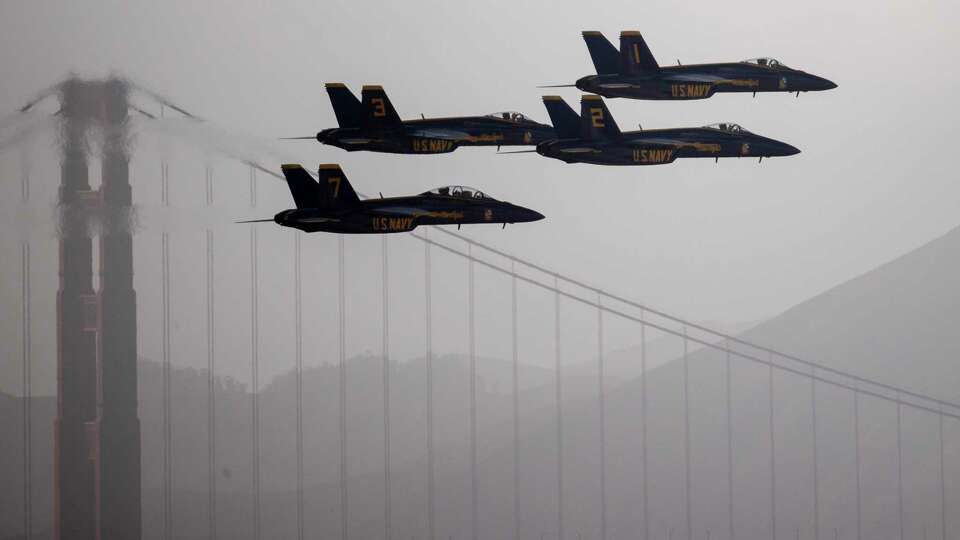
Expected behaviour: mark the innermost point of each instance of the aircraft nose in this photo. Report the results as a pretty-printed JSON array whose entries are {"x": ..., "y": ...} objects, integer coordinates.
[
  {"x": 819, "y": 83},
  {"x": 788, "y": 150},
  {"x": 530, "y": 215}
]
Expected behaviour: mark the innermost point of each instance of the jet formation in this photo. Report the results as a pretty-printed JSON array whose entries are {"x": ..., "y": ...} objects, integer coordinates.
[
  {"x": 632, "y": 72},
  {"x": 330, "y": 204},
  {"x": 374, "y": 125},
  {"x": 594, "y": 137}
]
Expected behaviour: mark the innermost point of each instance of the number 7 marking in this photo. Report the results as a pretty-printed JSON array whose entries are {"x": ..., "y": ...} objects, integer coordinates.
[{"x": 335, "y": 180}]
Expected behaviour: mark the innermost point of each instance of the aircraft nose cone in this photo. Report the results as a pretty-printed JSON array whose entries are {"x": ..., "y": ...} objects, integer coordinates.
[
  {"x": 789, "y": 150},
  {"x": 530, "y": 215},
  {"x": 819, "y": 83}
]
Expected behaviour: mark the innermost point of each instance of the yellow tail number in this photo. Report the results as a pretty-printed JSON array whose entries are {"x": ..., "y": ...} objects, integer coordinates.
[
  {"x": 379, "y": 109},
  {"x": 596, "y": 115},
  {"x": 335, "y": 180}
]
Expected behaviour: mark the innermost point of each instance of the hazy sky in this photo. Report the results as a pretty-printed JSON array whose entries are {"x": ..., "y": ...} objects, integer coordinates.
[{"x": 727, "y": 243}]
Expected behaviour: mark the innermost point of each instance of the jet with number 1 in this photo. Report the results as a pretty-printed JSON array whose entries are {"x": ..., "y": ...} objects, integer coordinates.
[
  {"x": 633, "y": 72},
  {"x": 374, "y": 125},
  {"x": 329, "y": 204},
  {"x": 593, "y": 137}
]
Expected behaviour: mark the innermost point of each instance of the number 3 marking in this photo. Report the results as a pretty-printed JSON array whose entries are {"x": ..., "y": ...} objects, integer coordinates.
[{"x": 378, "y": 108}]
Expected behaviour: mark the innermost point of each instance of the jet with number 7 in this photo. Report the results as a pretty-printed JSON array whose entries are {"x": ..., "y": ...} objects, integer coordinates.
[
  {"x": 633, "y": 72},
  {"x": 593, "y": 137},
  {"x": 329, "y": 204}
]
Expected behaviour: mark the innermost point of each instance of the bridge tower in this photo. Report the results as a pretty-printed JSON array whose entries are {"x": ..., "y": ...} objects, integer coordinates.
[{"x": 97, "y": 429}]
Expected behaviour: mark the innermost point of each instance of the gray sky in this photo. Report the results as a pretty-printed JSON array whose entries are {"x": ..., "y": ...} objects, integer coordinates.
[{"x": 723, "y": 243}]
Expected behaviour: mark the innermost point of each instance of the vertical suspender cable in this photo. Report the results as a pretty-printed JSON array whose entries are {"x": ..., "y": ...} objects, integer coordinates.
[
  {"x": 856, "y": 447},
  {"x": 209, "y": 171},
  {"x": 344, "y": 492},
  {"x": 602, "y": 403},
  {"x": 473, "y": 396},
  {"x": 387, "y": 492},
  {"x": 643, "y": 427},
  {"x": 298, "y": 314},
  {"x": 516, "y": 403},
  {"x": 255, "y": 378},
  {"x": 816, "y": 463},
  {"x": 943, "y": 484},
  {"x": 899, "y": 466},
  {"x": 24, "y": 175},
  {"x": 429, "y": 367},
  {"x": 166, "y": 406},
  {"x": 729, "y": 396},
  {"x": 211, "y": 399},
  {"x": 253, "y": 187},
  {"x": 559, "y": 406},
  {"x": 773, "y": 458},
  {"x": 686, "y": 435},
  {"x": 27, "y": 392}
]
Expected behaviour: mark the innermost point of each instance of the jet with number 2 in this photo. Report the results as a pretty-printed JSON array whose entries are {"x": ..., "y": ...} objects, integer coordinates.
[
  {"x": 329, "y": 204},
  {"x": 593, "y": 137},
  {"x": 633, "y": 72},
  {"x": 374, "y": 125}
]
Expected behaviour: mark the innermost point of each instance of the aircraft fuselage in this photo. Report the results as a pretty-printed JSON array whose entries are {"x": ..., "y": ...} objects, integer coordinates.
[
  {"x": 403, "y": 214},
  {"x": 702, "y": 81}
]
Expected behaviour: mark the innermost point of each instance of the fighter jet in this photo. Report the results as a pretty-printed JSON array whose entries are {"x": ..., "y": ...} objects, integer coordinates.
[
  {"x": 374, "y": 125},
  {"x": 593, "y": 137},
  {"x": 632, "y": 72},
  {"x": 329, "y": 204}
]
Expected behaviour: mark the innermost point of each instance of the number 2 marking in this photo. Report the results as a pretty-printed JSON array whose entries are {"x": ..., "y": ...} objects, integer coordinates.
[{"x": 596, "y": 116}]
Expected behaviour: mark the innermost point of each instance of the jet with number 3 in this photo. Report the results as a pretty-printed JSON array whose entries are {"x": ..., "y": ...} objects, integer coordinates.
[
  {"x": 633, "y": 72},
  {"x": 329, "y": 204},
  {"x": 374, "y": 125},
  {"x": 593, "y": 137}
]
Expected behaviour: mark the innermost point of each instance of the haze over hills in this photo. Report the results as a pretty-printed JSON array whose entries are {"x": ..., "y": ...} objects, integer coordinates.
[{"x": 896, "y": 323}]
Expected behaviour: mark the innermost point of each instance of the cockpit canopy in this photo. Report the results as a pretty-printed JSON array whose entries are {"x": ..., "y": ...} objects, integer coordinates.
[
  {"x": 727, "y": 127},
  {"x": 459, "y": 191},
  {"x": 510, "y": 116},
  {"x": 766, "y": 62}
]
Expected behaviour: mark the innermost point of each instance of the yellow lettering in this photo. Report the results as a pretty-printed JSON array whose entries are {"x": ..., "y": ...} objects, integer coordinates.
[
  {"x": 596, "y": 115},
  {"x": 636, "y": 53},
  {"x": 379, "y": 109},
  {"x": 335, "y": 180}
]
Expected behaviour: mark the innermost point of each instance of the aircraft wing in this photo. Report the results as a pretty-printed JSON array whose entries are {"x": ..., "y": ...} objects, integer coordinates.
[
  {"x": 319, "y": 220},
  {"x": 694, "y": 77},
  {"x": 442, "y": 134},
  {"x": 662, "y": 141}
]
